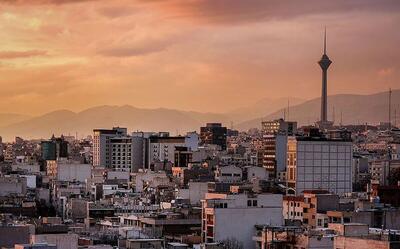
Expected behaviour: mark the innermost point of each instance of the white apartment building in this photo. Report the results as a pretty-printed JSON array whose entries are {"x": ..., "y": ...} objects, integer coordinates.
[
  {"x": 161, "y": 146},
  {"x": 226, "y": 216},
  {"x": 116, "y": 150},
  {"x": 319, "y": 164}
]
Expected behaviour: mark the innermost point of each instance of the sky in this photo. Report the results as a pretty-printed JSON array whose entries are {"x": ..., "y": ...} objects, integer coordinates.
[{"x": 200, "y": 55}]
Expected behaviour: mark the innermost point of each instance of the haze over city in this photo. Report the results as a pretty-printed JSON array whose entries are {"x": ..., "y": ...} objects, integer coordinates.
[
  {"x": 200, "y": 55},
  {"x": 199, "y": 124}
]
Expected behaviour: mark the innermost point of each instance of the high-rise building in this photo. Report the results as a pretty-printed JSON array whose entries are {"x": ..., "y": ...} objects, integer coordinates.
[
  {"x": 102, "y": 147},
  {"x": 121, "y": 153},
  {"x": 54, "y": 148},
  {"x": 324, "y": 63},
  {"x": 48, "y": 150},
  {"x": 214, "y": 133},
  {"x": 317, "y": 162},
  {"x": 272, "y": 156}
]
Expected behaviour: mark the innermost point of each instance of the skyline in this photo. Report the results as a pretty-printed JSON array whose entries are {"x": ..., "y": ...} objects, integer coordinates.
[{"x": 188, "y": 56}]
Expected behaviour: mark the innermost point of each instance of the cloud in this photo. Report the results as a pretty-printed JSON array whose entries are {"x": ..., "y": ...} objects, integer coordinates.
[
  {"x": 132, "y": 44},
  {"x": 132, "y": 51},
  {"x": 21, "y": 54},
  {"x": 237, "y": 11},
  {"x": 33, "y": 2},
  {"x": 116, "y": 11}
]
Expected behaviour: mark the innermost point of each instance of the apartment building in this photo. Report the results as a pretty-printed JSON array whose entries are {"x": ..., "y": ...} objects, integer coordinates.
[{"x": 226, "y": 216}]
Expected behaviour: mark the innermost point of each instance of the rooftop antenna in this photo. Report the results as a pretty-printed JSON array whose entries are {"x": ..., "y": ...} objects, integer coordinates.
[
  {"x": 231, "y": 125},
  {"x": 341, "y": 117},
  {"x": 390, "y": 109},
  {"x": 333, "y": 114},
  {"x": 395, "y": 118},
  {"x": 288, "y": 107},
  {"x": 284, "y": 113}
]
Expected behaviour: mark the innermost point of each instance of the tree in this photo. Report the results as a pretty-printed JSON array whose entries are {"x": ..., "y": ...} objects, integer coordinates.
[{"x": 394, "y": 176}]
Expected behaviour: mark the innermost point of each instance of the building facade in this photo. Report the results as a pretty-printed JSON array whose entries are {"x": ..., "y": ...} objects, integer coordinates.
[{"x": 318, "y": 163}]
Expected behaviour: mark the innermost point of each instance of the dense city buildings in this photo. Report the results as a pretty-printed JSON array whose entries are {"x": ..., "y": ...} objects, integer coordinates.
[{"x": 283, "y": 184}]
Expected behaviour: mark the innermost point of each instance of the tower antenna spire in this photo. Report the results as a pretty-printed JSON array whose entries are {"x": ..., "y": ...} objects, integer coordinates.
[{"x": 325, "y": 41}]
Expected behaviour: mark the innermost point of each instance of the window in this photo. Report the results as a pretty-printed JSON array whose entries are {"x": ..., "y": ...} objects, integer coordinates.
[
  {"x": 254, "y": 203},
  {"x": 249, "y": 203}
]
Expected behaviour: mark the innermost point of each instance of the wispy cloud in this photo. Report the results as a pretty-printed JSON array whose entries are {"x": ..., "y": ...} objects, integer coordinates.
[{"x": 21, "y": 54}]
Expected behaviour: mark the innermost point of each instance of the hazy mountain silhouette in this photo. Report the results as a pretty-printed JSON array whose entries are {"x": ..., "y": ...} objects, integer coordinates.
[
  {"x": 68, "y": 122},
  {"x": 355, "y": 109},
  {"x": 261, "y": 108},
  {"x": 11, "y": 118}
]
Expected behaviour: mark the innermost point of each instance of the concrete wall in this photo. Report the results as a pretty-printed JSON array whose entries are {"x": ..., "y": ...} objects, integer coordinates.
[
  {"x": 12, "y": 185},
  {"x": 30, "y": 181},
  {"x": 71, "y": 172},
  {"x": 197, "y": 191},
  {"x": 280, "y": 152},
  {"x": 62, "y": 241},
  {"x": 229, "y": 174},
  {"x": 257, "y": 173},
  {"x": 78, "y": 208},
  {"x": 30, "y": 168},
  {"x": 120, "y": 175},
  {"x": 350, "y": 229},
  {"x": 149, "y": 177},
  {"x": 238, "y": 222},
  {"x": 303, "y": 241},
  {"x": 342, "y": 242},
  {"x": 11, "y": 235}
]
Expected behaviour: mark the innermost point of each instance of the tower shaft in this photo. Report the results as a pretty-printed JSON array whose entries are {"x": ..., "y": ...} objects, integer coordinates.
[
  {"x": 324, "y": 63},
  {"x": 324, "y": 96}
]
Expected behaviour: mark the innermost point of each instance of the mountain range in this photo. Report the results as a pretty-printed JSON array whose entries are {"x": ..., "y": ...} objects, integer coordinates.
[
  {"x": 354, "y": 108},
  {"x": 349, "y": 108}
]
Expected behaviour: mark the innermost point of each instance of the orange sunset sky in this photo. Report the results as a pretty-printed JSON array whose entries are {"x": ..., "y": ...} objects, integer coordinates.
[{"x": 202, "y": 55}]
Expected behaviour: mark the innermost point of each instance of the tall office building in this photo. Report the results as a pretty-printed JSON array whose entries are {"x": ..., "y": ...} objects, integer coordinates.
[
  {"x": 102, "y": 147},
  {"x": 214, "y": 133},
  {"x": 324, "y": 63},
  {"x": 121, "y": 153},
  {"x": 54, "y": 148},
  {"x": 272, "y": 156},
  {"x": 319, "y": 162},
  {"x": 48, "y": 150}
]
